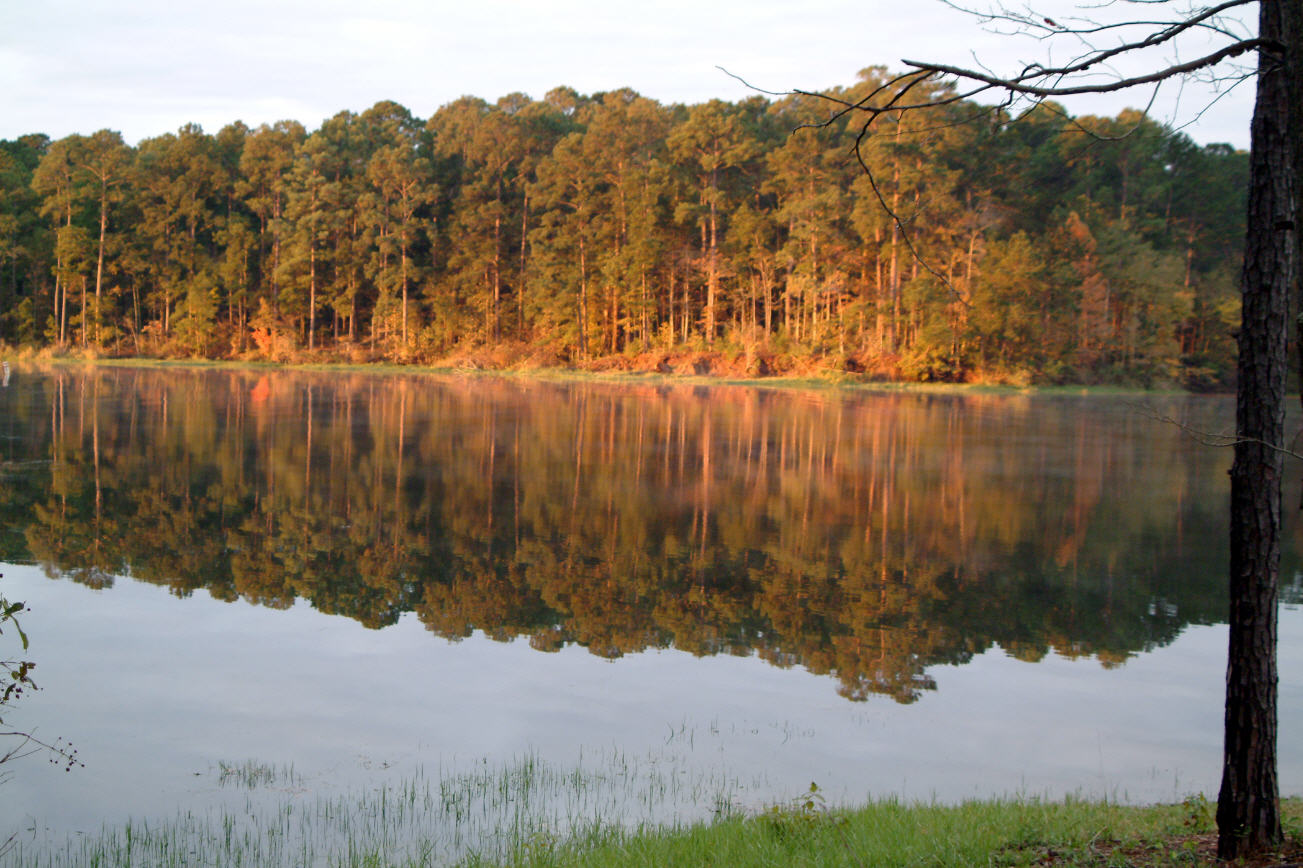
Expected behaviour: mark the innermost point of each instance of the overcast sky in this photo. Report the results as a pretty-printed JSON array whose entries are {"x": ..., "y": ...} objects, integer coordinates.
[{"x": 146, "y": 67}]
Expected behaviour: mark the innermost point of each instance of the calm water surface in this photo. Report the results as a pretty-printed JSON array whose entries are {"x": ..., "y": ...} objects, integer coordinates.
[{"x": 363, "y": 575}]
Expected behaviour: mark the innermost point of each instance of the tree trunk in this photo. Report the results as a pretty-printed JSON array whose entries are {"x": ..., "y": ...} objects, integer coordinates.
[
  {"x": 276, "y": 256},
  {"x": 685, "y": 316},
  {"x": 712, "y": 275},
  {"x": 99, "y": 263},
  {"x": 312, "y": 294},
  {"x": 520, "y": 290},
  {"x": 1248, "y": 806},
  {"x": 583, "y": 300},
  {"x": 60, "y": 298},
  {"x": 135, "y": 316},
  {"x": 646, "y": 325},
  {"x": 497, "y": 275},
  {"x": 83, "y": 311},
  {"x": 893, "y": 278},
  {"x": 403, "y": 270}
]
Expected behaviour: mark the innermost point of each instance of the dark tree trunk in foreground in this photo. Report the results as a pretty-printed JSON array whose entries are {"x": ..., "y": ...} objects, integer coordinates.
[{"x": 1248, "y": 806}]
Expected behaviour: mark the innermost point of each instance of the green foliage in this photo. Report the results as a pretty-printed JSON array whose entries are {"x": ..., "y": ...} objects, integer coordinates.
[
  {"x": 581, "y": 227},
  {"x": 17, "y": 673},
  {"x": 799, "y": 816}
]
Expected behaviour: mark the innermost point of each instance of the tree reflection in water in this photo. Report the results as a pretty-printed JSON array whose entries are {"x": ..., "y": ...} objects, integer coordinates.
[{"x": 869, "y": 536}]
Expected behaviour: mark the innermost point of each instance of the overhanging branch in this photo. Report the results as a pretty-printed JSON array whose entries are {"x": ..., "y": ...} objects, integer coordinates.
[{"x": 1025, "y": 85}]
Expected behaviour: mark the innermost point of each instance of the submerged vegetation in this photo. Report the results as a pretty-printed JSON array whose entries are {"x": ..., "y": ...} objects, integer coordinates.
[
  {"x": 485, "y": 813},
  {"x": 611, "y": 231}
]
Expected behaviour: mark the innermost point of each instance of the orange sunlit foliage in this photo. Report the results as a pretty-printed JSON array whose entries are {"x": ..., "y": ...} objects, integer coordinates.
[{"x": 865, "y": 536}]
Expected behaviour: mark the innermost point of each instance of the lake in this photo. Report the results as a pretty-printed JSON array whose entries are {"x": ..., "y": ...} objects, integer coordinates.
[{"x": 706, "y": 596}]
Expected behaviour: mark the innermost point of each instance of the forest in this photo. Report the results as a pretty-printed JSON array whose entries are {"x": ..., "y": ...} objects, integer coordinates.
[{"x": 614, "y": 232}]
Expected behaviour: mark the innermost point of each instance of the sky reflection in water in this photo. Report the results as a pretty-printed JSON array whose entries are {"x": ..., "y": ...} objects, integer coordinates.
[{"x": 865, "y": 542}]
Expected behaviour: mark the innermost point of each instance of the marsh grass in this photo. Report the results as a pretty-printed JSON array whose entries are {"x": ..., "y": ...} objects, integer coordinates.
[
  {"x": 484, "y": 813},
  {"x": 251, "y": 775},
  {"x": 620, "y": 811}
]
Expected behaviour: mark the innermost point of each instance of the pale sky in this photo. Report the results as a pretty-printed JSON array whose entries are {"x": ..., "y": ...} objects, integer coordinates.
[{"x": 146, "y": 67}]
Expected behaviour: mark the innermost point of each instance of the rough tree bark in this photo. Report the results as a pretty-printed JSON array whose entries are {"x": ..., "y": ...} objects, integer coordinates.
[{"x": 1248, "y": 806}]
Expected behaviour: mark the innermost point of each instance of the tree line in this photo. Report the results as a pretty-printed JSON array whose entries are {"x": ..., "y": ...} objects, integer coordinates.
[{"x": 612, "y": 229}]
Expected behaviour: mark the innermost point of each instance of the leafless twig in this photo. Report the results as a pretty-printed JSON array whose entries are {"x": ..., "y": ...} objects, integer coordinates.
[{"x": 1217, "y": 440}]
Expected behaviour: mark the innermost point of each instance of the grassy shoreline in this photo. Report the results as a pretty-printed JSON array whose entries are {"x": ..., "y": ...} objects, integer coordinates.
[
  {"x": 1000, "y": 832},
  {"x": 612, "y": 810},
  {"x": 804, "y": 832},
  {"x": 813, "y": 381}
]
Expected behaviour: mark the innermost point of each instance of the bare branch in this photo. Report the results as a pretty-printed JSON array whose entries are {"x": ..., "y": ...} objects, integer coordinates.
[
  {"x": 751, "y": 86},
  {"x": 1199, "y": 114},
  {"x": 1021, "y": 85},
  {"x": 1040, "y": 27},
  {"x": 61, "y": 752},
  {"x": 1208, "y": 438}
]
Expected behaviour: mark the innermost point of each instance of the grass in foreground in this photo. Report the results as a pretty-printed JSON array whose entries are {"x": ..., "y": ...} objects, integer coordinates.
[
  {"x": 889, "y": 833},
  {"x": 531, "y": 813}
]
